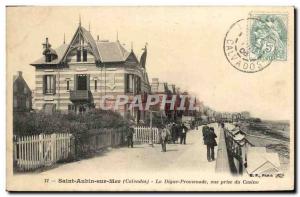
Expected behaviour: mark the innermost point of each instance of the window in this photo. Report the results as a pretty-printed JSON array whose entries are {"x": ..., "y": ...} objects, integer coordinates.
[
  {"x": 129, "y": 83},
  {"x": 82, "y": 82},
  {"x": 68, "y": 85},
  {"x": 49, "y": 84},
  {"x": 81, "y": 55},
  {"x": 84, "y": 53},
  {"x": 95, "y": 84},
  {"x": 48, "y": 57},
  {"x": 138, "y": 85},
  {"x": 78, "y": 55},
  {"x": 71, "y": 107}
]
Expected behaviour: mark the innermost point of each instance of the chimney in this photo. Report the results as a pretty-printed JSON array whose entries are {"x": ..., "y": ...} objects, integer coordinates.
[
  {"x": 98, "y": 37},
  {"x": 46, "y": 45},
  {"x": 20, "y": 73}
]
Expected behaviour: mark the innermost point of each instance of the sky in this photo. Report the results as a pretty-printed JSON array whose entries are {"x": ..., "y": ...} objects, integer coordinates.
[{"x": 185, "y": 48}]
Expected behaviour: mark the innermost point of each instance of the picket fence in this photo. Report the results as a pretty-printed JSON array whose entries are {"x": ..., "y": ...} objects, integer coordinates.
[
  {"x": 146, "y": 135},
  {"x": 35, "y": 151}
]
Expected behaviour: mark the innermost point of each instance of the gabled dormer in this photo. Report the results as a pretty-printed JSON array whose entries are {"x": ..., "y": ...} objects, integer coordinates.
[
  {"x": 48, "y": 52},
  {"x": 82, "y": 48}
]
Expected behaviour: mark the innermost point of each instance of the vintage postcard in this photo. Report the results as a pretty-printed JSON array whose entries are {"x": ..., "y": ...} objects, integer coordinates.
[{"x": 150, "y": 98}]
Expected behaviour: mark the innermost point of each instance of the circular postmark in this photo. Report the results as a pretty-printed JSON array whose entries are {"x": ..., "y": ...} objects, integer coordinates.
[{"x": 248, "y": 45}]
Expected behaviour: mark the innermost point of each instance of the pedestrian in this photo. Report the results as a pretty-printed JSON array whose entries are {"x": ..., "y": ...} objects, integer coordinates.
[
  {"x": 130, "y": 137},
  {"x": 184, "y": 130},
  {"x": 178, "y": 131},
  {"x": 163, "y": 138},
  {"x": 173, "y": 133},
  {"x": 205, "y": 130},
  {"x": 222, "y": 125},
  {"x": 210, "y": 142}
]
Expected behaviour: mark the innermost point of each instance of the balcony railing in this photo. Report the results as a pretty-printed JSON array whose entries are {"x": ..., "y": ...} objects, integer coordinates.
[{"x": 80, "y": 95}]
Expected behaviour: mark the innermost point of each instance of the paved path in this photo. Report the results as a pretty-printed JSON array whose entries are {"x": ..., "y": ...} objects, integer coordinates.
[{"x": 182, "y": 158}]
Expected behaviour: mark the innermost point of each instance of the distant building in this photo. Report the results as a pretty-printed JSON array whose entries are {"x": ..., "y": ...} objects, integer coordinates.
[
  {"x": 245, "y": 115},
  {"x": 160, "y": 89},
  {"x": 76, "y": 75},
  {"x": 164, "y": 89},
  {"x": 22, "y": 95},
  {"x": 157, "y": 87}
]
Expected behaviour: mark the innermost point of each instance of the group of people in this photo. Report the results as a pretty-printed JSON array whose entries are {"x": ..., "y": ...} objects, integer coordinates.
[
  {"x": 177, "y": 131},
  {"x": 171, "y": 133}
]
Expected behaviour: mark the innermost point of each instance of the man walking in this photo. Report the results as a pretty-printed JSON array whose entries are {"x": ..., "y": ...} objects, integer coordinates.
[
  {"x": 184, "y": 130},
  {"x": 173, "y": 133},
  {"x": 130, "y": 137},
  {"x": 163, "y": 138},
  {"x": 205, "y": 130},
  {"x": 210, "y": 142}
]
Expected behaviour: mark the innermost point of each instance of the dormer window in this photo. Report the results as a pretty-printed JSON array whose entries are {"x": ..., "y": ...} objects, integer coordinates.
[
  {"x": 81, "y": 55},
  {"x": 48, "y": 57},
  {"x": 48, "y": 52}
]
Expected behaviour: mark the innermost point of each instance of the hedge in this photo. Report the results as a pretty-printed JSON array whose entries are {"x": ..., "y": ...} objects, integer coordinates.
[{"x": 31, "y": 123}]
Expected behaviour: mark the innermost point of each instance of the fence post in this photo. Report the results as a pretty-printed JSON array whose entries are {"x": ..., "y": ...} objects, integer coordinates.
[
  {"x": 15, "y": 151},
  {"x": 41, "y": 151},
  {"x": 53, "y": 148},
  {"x": 72, "y": 147}
]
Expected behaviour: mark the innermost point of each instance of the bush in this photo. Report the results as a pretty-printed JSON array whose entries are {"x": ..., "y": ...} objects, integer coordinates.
[{"x": 32, "y": 123}]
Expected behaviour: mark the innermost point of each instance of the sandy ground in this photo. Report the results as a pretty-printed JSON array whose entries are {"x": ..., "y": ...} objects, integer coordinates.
[
  {"x": 143, "y": 157},
  {"x": 189, "y": 158}
]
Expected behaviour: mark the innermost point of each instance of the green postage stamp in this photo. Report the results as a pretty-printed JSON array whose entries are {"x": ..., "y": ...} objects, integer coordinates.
[{"x": 268, "y": 36}]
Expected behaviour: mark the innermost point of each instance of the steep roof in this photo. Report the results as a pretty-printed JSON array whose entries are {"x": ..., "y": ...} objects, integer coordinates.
[
  {"x": 104, "y": 51},
  {"x": 111, "y": 51},
  {"x": 19, "y": 79},
  {"x": 91, "y": 40}
]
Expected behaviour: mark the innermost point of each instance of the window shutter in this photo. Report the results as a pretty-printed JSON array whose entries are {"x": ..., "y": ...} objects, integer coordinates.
[
  {"x": 75, "y": 82},
  {"x": 88, "y": 82},
  {"x": 54, "y": 84},
  {"x": 44, "y": 84}
]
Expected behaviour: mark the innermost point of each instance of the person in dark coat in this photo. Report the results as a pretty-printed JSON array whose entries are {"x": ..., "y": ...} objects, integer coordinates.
[
  {"x": 222, "y": 125},
  {"x": 210, "y": 142},
  {"x": 184, "y": 130},
  {"x": 174, "y": 133},
  {"x": 205, "y": 130},
  {"x": 177, "y": 128},
  {"x": 130, "y": 137},
  {"x": 164, "y": 133}
]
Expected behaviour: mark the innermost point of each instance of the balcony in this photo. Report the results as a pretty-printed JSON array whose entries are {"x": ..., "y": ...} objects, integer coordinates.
[{"x": 80, "y": 95}]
